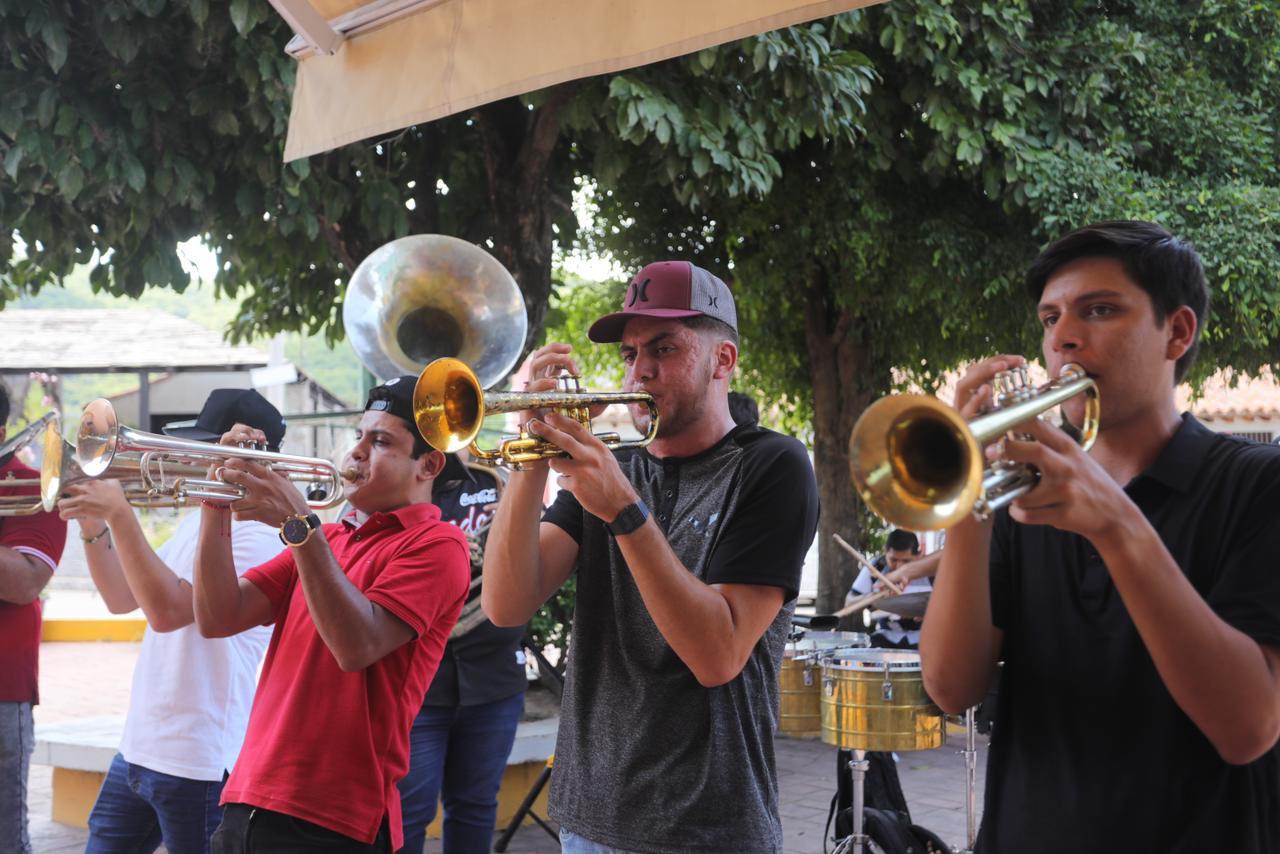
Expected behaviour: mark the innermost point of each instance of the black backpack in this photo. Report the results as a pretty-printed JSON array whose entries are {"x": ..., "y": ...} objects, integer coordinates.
[{"x": 885, "y": 817}]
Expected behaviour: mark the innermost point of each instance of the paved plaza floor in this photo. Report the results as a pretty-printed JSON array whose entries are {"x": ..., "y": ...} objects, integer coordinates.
[{"x": 92, "y": 679}]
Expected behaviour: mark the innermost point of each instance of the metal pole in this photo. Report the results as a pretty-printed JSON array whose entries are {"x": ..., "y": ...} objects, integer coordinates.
[
  {"x": 144, "y": 401},
  {"x": 858, "y": 765},
  {"x": 971, "y": 778}
]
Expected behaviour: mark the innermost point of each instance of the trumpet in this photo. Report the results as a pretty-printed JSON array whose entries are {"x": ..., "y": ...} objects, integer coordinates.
[
  {"x": 918, "y": 464},
  {"x": 171, "y": 472},
  {"x": 28, "y": 499},
  {"x": 449, "y": 407}
]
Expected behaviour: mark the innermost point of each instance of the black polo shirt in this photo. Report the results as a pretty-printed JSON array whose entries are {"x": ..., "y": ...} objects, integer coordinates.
[
  {"x": 1090, "y": 753},
  {"x": 480, "y": 666}
]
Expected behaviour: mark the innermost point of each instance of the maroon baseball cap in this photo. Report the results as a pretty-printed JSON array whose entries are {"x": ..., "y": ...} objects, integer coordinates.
[{"x": 668, "y": 289}]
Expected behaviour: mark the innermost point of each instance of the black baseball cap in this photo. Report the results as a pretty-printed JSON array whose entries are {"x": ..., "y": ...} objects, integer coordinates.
[
  {"x": 395, "y": 397},
  {"x": 227, "y": 407}
]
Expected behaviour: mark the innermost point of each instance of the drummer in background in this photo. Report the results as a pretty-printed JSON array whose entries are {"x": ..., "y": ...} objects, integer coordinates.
[
  {"x": 30, "y": 548},
  {"x": 902, "y": 564},
  {"x": 1133, "y": 594}
]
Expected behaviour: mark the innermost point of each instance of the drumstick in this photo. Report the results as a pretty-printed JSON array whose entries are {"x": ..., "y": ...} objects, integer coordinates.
[
  {"x": 870, "y": 568},
  {"x": 863, "y": 601}
]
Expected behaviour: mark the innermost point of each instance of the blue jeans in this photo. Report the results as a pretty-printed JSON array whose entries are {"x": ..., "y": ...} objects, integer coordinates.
[
  {"x": 572, "y": 843},
  {"x": 458, "y": 755},
  {"x": 138, "y": 808},
  {"x": 17, "y": 740}
]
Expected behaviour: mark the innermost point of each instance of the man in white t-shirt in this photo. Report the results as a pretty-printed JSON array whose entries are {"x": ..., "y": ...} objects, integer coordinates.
[
  {"x": 191, "y": 695},
  {"x": 901, "y": 563}
]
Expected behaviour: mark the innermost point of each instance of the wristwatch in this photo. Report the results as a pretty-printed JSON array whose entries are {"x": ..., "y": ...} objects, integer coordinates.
[
  {"x": 297, "y": 529},
  {"x": 630, "y": 519}
]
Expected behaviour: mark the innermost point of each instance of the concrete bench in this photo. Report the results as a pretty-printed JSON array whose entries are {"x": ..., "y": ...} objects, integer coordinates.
[{"x": 80, "y": 752}]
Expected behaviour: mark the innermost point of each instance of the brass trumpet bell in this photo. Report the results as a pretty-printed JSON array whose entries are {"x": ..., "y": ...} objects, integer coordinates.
[
  {"x": 919, "y": 465},
  {"x": 450, "y": 405},
  {"x": 45, "y": 431}
]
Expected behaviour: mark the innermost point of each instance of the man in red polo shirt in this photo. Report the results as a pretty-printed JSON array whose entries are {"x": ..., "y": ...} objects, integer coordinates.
[
  {"x": 30, "y": 548},
  {"x": 362, "y": 609}
]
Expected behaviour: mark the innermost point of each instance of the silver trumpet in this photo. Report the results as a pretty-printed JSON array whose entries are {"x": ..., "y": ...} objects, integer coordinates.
[{"x": 162, "y": 471}]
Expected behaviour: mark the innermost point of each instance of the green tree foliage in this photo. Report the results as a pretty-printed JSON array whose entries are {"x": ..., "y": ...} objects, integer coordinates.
[
  {"x": 872, "y": 184},
  {"x": 893, "y": 252},
  {"x": 130, "y": 125}
]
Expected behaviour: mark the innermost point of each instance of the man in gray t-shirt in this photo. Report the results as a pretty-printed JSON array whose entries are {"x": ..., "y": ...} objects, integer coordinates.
[{"x": 688, "y": 555}]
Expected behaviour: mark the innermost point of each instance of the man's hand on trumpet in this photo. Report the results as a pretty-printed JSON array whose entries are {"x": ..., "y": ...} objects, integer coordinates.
[
  {"x": 974, "y": 393},
  {"x": 94, "y": 502},
  {"x": 269, "y": 497},
  {"x": 1074, "y": 492},
  {"x": 590, "y": 471}
]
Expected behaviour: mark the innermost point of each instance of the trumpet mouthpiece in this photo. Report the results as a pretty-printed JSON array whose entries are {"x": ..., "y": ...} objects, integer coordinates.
[{"x": 348, "y": 474}]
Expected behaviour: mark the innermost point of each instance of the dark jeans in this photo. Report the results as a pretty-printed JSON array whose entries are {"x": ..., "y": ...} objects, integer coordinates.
[
  {"x": 246, "y": 829},
  {"x": 458, "y": 754},
  {"x": 137, "y": 808}
]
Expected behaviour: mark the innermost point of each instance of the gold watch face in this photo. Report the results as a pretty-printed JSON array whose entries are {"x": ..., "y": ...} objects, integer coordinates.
[{"x": 295, "y": 530}]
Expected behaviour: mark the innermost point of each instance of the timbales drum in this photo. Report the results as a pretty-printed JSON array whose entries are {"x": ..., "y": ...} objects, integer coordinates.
[
  {"x": 800, "y": 713},
  {"x": 874, "y": 699}
]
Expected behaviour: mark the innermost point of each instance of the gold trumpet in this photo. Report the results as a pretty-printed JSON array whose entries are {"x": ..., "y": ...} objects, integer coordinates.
[
  {"x": 918, "y": 464},
  {"x": 28, "y": 500},
  {"x": 450, "y": 406},
  {"x": 172, "y": 472}
]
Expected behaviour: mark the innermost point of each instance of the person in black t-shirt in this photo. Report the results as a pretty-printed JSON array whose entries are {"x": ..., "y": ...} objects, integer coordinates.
[
  {"x": 1133, "y": 594},
  {"x": 671, "y": 695},
  {"x": 461, "y": 739}
]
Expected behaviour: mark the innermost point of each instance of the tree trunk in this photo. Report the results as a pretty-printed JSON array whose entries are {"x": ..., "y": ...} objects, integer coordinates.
[
  {"x": 519, "y": 145},
  {"x": 839, "y": 366}
]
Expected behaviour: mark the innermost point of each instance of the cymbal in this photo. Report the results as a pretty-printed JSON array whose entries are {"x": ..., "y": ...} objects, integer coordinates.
[{"x": 906, "y": 604}]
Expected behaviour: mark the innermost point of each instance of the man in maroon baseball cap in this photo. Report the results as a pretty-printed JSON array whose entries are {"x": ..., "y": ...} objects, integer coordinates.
[
  {"x": 688, "y": 555},
  {"x": 670, "y": 289}
]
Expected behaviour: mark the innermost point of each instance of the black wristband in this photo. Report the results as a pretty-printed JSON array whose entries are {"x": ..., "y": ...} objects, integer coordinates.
[{"x": 630, "y": 519}]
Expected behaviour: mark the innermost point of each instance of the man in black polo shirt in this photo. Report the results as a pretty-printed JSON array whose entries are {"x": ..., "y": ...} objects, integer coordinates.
[
  {"x": 1134, "y": 594},
  {"x": 671, "y": 696}
]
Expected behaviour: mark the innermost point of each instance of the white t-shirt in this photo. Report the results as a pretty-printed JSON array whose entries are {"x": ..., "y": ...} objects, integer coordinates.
[
  {"x": 191, "y": 695},
  {"x": 890, "y": 628}
]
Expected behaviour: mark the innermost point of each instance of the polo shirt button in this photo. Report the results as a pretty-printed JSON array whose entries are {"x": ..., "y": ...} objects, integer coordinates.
[
  {"x": 662, "y": 518},
  {"x": 670, "y": 493},
  {"x": 358, "y": 537}
]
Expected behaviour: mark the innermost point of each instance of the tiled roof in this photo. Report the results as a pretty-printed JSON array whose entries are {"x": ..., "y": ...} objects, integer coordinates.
[
  {"x": 114, "y": 340},
  {"x": 1252, "y": 398}
]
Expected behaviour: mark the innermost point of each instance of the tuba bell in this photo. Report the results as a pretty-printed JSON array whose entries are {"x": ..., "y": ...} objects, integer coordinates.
[
  {"x": 918, "y": 464},
  {"x": 428, "y": 296}
]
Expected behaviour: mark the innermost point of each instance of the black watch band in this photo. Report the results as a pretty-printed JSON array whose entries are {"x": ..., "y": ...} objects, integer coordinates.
[
  {"x": 296, "y": 530},
  {"x": 630, "y": 519}
]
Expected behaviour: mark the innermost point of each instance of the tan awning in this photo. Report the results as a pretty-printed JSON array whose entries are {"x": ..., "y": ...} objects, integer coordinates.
[{"x": 400, "y": 63}]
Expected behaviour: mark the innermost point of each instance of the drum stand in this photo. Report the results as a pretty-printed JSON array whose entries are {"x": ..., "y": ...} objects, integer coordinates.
[
  {"x": 970, "y": 753},
  {"x": 856, "y": 841}
]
